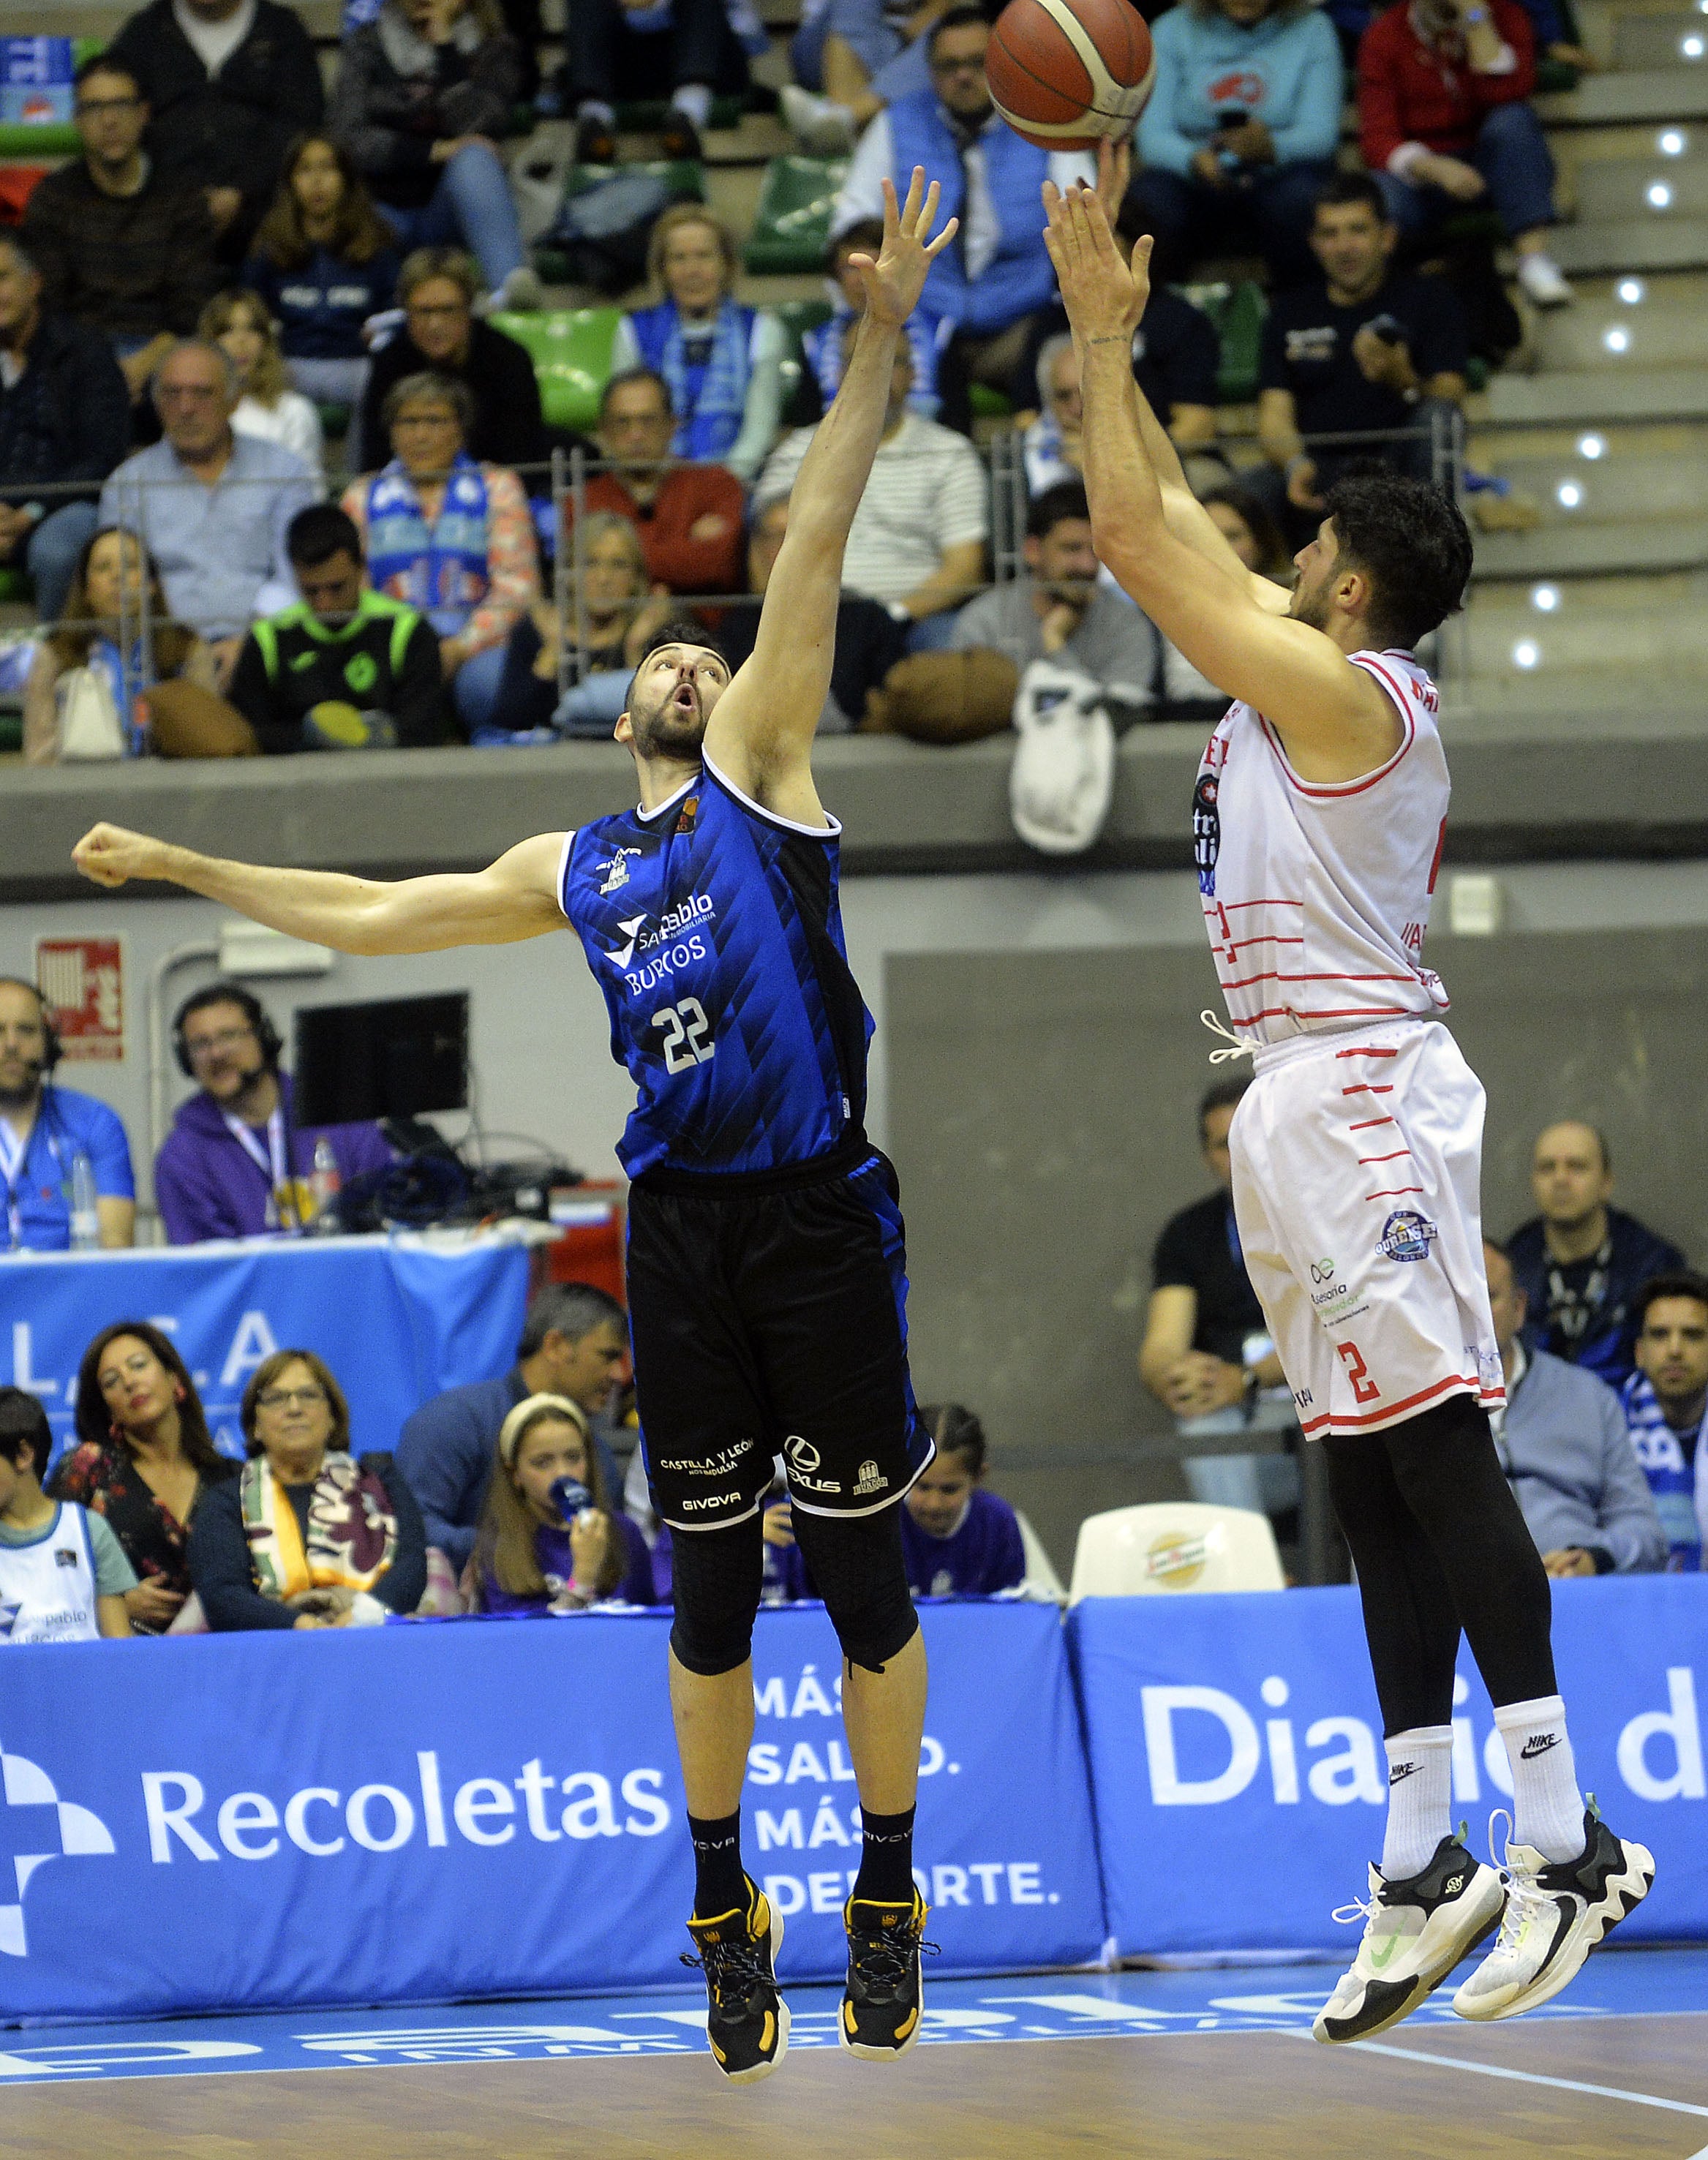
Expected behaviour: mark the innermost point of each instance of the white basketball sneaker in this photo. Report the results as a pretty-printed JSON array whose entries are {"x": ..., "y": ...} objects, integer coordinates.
[
  {"x": 1556, "y": 1912},
  {"x": 1415, "y": 1931}
]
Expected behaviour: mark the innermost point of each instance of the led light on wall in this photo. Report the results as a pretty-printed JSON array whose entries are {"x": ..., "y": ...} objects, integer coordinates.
[
  {"x": 1691, "y": 46},
  {"x": 1630, "y": 291},
  {"x": 1616, "y": 340},
  {"x": 1658, "y": 196},
  {"x": 1671, "y": 142},
  {"x": 1526, "y": 653},
  {"x": 1547, "y": 598},
  {"x": 1590, "y": 446},
  {"x": 1568, "y": 495}
]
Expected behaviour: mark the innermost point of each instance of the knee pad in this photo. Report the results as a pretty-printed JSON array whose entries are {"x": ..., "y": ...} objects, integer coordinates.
[
  {"x": 858, "y": 1569},
  {"x": 717, "y": 1576}
]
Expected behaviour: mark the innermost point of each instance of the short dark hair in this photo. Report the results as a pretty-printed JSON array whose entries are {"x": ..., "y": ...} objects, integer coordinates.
[
  {"x": 680, "y": 630},
  {"x": 105, "y": 64},
  {"x": 1219, "y": 1095},
  {"x": 24, "y": 1423},
  {"x": 957, "y": 1431},
  {"x": 865, "y": 237},
  {"x": 1346, "y": 189},
  {"x": 1682, "y": 1282},
  {"x": 625, "y": 376},
  {"x": 955, "y": 18},
  {"x": 1054, "y": 507},
  {"x": 316, "y": 535},
  {"x": 571, "y": 1309},
  {"x": 1411, "y": 540}
]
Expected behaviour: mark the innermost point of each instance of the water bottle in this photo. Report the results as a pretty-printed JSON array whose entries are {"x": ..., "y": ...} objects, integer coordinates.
[
  {"x": 324, "y": 1185},
  {"x": 570, "y": 1498},
  {"x": 86, "y": 1215}
]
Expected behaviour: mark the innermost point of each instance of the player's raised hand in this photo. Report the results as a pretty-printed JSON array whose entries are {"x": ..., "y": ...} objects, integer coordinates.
[
  {"x": 1114, "y": 169},
  {"x": 109, "y": 855},
  {"x": 894, "y": 282},
  {"x": 1104, "y": 295}
]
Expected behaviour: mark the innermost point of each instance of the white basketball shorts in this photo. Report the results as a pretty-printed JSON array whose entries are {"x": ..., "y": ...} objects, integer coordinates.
[{"x": 1356, "y": 1166}]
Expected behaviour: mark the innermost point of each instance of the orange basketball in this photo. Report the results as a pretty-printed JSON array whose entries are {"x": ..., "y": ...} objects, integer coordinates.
[{"x": 1064, "y": 73}]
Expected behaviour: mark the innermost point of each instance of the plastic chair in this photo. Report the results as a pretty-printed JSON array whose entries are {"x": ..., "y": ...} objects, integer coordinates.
[
  {"x": 1238, "y": 313},
  {"x": 571, "y": 350},
  {"x": 1172, "y": 1546},
  {"x": 791, "y": 223},
  {"x": 798, "y": 317},
  {"x": 1040, "y": 1569}
]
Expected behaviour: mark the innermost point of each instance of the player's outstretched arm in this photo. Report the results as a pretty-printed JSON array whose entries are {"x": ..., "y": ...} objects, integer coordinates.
[
  {"x": 763, "y": 725},
  {"x": 514, "y": 898}
]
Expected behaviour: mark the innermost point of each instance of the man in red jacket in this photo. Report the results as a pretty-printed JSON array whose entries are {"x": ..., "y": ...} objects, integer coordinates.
[
  {"x": 1445, "y": 118},
  {"x": 689, "y": 517}
]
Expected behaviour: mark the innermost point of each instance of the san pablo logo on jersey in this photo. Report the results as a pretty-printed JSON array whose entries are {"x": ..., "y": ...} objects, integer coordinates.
[{"x": 665, "y": 938}]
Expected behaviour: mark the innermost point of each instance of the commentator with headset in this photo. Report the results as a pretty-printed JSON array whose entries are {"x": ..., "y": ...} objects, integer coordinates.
[
  {"x": 44, "y": 1128},
  {"x": 236, "y": 1164}
]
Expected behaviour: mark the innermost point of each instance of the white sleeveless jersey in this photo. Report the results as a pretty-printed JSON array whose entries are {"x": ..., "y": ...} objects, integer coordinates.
[
  {"x": 47, "y": 1587},
  {"x": 1316, "y": 898}
]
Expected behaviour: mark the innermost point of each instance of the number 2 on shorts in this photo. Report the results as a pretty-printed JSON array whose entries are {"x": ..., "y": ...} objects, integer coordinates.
[{"x": 1364, "y": 1389}]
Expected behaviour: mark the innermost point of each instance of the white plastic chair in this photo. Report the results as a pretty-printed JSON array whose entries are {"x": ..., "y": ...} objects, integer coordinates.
[
  {"x": 1173, "y": 1546},
  {"x": 1040, "y": 1574}
]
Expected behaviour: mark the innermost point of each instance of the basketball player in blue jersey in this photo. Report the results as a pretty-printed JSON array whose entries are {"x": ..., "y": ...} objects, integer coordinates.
[
  {"x": 1319, "y": 817},
  {"x": 766, "y": 1274}
]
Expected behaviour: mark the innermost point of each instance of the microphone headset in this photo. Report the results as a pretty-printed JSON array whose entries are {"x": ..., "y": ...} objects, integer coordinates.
[
  {"x": 52, "y": 1048},
  {"x": 266, "y": 1034}
]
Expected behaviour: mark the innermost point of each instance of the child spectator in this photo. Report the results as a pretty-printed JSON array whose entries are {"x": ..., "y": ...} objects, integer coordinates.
[
  {"x": 957, "y": 1540},
  {"x": 527, "y": 1558},
  {"x": 239, "y": 324},
  {"x": 63, "y": 1577},
  {"x": 325, "y": 261},
  {"x": 144, "y": 1457}
]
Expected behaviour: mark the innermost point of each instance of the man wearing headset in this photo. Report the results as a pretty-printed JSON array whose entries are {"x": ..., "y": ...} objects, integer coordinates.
[
  {"x": 234, "y": 1164},
  {"x": 44, "y": 1128}
]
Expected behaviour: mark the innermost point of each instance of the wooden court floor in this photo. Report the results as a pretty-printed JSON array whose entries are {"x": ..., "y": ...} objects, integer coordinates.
[{"x": 1267, "y": 2096}]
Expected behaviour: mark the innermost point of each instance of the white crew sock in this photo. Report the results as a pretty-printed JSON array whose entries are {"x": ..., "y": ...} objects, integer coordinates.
[
  {"x": 595, "y": 108},
  {"x": 695, "y": 100},
  {"x": 1420, "y": 1798},
  {"x": 1547, "y": 1805}
]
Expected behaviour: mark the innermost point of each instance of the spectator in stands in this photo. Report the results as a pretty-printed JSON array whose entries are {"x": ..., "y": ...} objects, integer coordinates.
[
  {"x": 638, "y": 51},
  {"x": 65, "y": 424},
  {"x": 212, "y": 506},
  {"x": 1664, "y": 1401},
  {"x": 238, "y": 323},
  {"x": 1359, "y": 349},
  {"x": 1580, "y": 1263},
  {"x": 122, "y": 246},
  {"x": 43, "y": 1129},
  {"x": 307, "y": 1535},
  {"x": 620, "y": 617},
  {"x": 98, "y": 633},
  {"x": 689, "y": 518},
  {"x": 228, "y": 82},
  {"x": 1206, "y": 1351},
  {"x": 143, "y": 1462},
  {"x": 449, "y": 537},
  {"x": 1445, "y": 119},
  {"x": 1250, "y": 531},
  {"x": 917, "y": 542},
  {"x": 1239, "y": 133},
  {"x": 424, "y": 93},
  {"x": 437, "y": 287},
  {"x": 236, "y": 1163},
  {"x": 527, "y": 1557},
  {"x": 870, "y": 640},
  {"x": 957, "y": 1540},
  {"x": 575, "y": 1342},
  {"x": 721, "y": 362},
  {"x": 63, "y": 1577},
  {"x": 1567, "y": 1457},
  {"x": 996, "y": 282},
  {"x": 1175, "y": 360},
  {"x": 824, "y": 345},
  {"x": 871, "y": 53},
  {"x": 1059, "y": 611},
  {"x": 324, "y": 261},
  {"x": 345, "y": 668}
]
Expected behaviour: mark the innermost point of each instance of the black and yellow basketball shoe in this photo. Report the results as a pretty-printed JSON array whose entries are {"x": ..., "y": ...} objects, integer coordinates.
[
  {"x": 747, "y": 2021},
  {"x": 883, "y": 2002}
]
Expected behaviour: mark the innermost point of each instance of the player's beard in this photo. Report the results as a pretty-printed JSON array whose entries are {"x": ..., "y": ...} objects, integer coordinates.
[
  {"x": 1310, "y": 608},
  {"x": 671, "y": 731}
]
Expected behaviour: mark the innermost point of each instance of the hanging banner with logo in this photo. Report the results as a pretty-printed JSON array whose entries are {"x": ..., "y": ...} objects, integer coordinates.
[
  {"x": 438, "y": 1809},
  {"x": 82, "y": 982},
  {"x": 395, "y": 1322},
  {"x": 1235, "y": 1748}
]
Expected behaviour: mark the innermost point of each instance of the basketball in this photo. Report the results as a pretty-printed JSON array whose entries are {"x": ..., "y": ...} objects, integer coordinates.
[{"x": 1065, "y": 73}]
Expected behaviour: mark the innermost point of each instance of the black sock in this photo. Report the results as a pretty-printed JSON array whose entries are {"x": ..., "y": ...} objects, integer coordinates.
[
  {"x": 886, "y": 1859},
  {"x": 720, "y": 1883}
]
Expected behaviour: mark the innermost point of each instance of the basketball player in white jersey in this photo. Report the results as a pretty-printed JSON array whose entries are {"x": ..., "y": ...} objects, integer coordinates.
[{"x": 1318, "y": 819}]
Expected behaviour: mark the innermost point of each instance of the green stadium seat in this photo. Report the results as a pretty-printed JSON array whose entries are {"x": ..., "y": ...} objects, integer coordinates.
[
  {"x": 791, "y": 224},
  {"x": 798, "y": 317},
  {"x": 647, "y": 117},
  {"x": 16, "y": 587},
  {"x": 1238, "y": 313},
  {"x": 571, "y": 350},
  {"x": 986, "y": 403},
  {"x": 31, "y": 140},
  {"x": 11, "y": 731}
]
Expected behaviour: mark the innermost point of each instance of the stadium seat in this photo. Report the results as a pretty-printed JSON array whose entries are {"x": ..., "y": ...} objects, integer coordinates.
[
  {"x": 684, "y": 181},
  {"x": 571, "y": 350},
  {"x": 1040, "y": 1569},
  {"x": 798, "y": 317},
  {"x": 16, "y": 586},
  {"x": 1238, "y": 313},
  {"x": 791, "y": 224},
  {"x": 1171, "y": 1546}
]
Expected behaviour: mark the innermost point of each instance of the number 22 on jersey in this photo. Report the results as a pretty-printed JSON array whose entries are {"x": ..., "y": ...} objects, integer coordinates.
[{"x": 685, "y": 1028}]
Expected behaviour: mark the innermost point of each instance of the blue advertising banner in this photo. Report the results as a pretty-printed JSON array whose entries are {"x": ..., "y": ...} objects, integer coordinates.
[
  {"x": 433, "y": 1810},
  {"x": 396, "y": 1321},
  {"x": 1235, "y": 1749}
]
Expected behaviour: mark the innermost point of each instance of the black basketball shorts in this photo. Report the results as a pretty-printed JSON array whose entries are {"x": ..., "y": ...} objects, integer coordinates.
[{"x": 770, "y": 1318}]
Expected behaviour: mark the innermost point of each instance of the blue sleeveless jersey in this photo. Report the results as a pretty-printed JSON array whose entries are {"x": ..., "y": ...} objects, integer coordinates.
[{"x": 714, "y": 929}]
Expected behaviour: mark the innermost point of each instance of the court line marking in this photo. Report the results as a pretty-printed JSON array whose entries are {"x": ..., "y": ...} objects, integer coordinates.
[{"x": 1533, "y": 2078}]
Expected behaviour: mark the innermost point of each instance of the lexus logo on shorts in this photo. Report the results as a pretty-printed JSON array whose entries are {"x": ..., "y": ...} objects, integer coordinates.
[{"x": 802, "y": 1453}]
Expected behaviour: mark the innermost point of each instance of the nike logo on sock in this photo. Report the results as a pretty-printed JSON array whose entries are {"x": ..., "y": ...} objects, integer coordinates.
[
  {"x": 1402, "y": 1770},
  {"x": 1538, "y": 1743}
]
